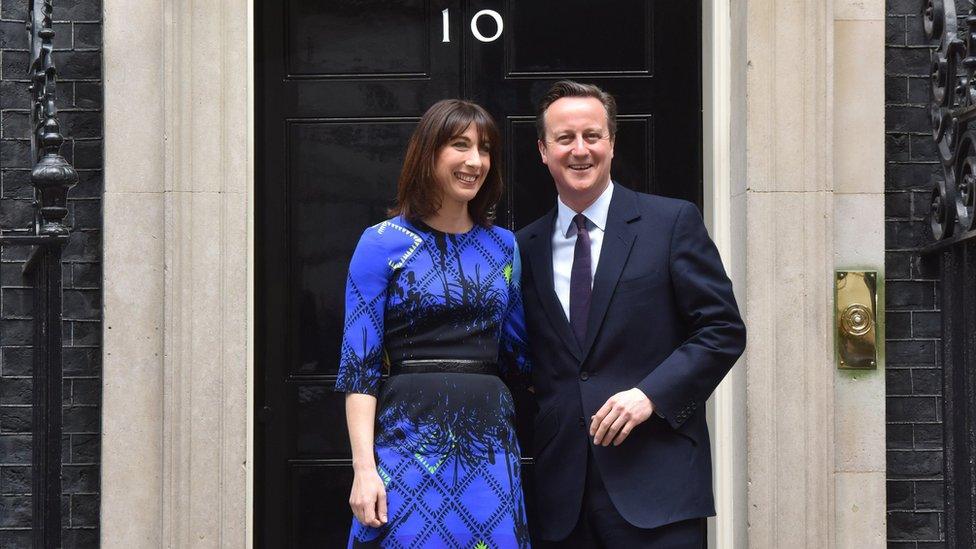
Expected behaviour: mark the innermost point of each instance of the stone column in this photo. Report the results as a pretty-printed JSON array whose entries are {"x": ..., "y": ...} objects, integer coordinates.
[
  {"x": 175, "y": 453},
  {"x": 858, "y": 129},
  {"x": 810, "y": 200},
  {"x": 785, "y": 210}
]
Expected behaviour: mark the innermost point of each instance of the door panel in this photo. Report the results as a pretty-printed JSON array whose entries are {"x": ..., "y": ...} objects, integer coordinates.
[
  {"x": 341, "y": 178},
  {"x": 340, "y": 85},
  {"x": 542, "y": 38},
  {"x": 647, "y": 54},
  {"x": 324, "y": 39}
]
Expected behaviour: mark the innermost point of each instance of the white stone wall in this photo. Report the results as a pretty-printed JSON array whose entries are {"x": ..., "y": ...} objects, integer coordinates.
[
  {"x": 175, "y": 448},
  {"x": 812, "y": 201},
  {"x": 858, "y": 175}
]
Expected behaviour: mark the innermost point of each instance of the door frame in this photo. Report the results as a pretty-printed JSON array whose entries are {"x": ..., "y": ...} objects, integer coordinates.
[
  {"x": 179, "y": 244},
  {"x": 726, "y": 409}
]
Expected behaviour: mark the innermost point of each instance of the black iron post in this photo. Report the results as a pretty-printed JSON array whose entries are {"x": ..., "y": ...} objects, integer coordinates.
[{"x": 51, "y": 177}]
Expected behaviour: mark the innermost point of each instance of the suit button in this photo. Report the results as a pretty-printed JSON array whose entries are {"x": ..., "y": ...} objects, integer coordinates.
[
  {"x": 581, "y": 422},
  {"x": 584, "y": 376}
]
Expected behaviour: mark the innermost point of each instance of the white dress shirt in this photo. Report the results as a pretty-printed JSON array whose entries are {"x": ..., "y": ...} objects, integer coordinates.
[{"x": 564, "y": 241}]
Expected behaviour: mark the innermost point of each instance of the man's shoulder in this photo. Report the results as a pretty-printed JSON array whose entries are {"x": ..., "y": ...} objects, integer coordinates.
[
  {"x": 536, "y": 227},
  {"x": 660, "y": 207}
]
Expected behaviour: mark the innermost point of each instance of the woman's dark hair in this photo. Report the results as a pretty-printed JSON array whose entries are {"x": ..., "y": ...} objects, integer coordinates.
[
  {"x": 569, "y": 88},
  {"x": 418, "y": 193}
]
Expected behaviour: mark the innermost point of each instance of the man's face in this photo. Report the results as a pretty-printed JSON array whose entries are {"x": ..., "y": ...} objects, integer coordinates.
[{"x": 577, "y": 149}]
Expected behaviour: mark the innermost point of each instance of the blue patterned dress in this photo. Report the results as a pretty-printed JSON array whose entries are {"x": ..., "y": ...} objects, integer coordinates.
[{"x": 445, "y": 443}]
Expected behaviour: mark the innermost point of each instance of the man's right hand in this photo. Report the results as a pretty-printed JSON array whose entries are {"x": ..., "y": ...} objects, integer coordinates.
[{"x": 368, "y": 498}]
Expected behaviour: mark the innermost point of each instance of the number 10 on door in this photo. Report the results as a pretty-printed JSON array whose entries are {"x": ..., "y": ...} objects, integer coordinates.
[{"x": 499, "y": 24}]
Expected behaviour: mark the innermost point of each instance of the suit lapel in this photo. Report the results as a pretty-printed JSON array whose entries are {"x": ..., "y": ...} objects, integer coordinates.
[
  {"x": 617, "y": 243},
  {"x": 540, "y": 258}
]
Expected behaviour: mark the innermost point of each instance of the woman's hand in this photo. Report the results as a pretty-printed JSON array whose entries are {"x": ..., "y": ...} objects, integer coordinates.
[{"x": 368, "y": 498}]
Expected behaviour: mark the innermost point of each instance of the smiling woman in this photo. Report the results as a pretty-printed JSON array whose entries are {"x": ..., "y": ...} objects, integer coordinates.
[
  {"x": 433, "y": 300},
  {"x": 460, "y": 169},
  {"x": 441, "y": 153}
]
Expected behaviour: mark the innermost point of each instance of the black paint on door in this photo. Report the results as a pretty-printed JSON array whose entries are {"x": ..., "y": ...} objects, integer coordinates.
[{"x": 339, "y": 87}]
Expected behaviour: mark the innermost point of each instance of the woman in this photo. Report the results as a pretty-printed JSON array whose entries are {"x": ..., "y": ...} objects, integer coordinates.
[{"x": 433, "y": 295}]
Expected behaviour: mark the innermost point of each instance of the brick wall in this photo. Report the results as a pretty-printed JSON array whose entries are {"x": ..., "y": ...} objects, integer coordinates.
[
  {"x": 914, "y": 374},
  {"x": 78, "y": 58}
]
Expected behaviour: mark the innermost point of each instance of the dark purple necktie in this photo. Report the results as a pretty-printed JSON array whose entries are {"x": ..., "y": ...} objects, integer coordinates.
[{"x": 580, "y": 280}]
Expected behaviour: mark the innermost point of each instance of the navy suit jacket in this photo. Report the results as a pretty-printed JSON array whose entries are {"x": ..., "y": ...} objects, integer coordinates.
[{"x": 663, "y": 319}]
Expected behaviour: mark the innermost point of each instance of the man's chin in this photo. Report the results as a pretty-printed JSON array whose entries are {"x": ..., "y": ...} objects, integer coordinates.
[{"x": 583, "y": 185}]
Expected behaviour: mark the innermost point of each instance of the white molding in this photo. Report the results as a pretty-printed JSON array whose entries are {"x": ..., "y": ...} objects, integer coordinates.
[
  {"x": 251, "y": 424},
  {"x": 726, "y": 406}
]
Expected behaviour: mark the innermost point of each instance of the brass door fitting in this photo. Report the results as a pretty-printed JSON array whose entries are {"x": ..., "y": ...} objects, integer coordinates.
[{"x": 856, "y": 319}]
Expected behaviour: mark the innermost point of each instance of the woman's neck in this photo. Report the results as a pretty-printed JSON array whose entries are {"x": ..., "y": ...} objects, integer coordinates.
[{"x": 452, "y": 217}]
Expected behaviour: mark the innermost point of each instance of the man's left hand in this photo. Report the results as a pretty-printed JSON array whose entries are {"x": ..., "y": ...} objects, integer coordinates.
[{"x": 618, "y": 417}]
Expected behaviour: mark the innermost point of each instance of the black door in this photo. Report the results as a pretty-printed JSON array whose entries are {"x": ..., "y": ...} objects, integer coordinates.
[{"x": 340, "y": 85}]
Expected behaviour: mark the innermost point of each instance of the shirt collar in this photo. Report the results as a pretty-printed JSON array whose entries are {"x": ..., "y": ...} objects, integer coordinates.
[{"x": 596, "y": 212}]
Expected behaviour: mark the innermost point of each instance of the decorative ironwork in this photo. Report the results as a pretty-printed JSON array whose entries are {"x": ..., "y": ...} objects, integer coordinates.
[
  {"x": 952, "y": 108},
  {"x": 953, "y": 222},
  {"x": 52, "y": 176}
]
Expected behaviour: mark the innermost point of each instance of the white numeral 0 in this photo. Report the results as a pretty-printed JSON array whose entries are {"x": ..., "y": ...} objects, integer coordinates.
[
  {"x": 445, "y": 25},
  {"x": 498, "y": 21}
]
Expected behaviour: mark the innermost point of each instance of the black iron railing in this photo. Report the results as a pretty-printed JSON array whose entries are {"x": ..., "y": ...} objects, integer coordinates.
[
  {"x": 952, "y": 110},
  {"x": 952, "y": 218},
  {"x": 51, "y": 177}
]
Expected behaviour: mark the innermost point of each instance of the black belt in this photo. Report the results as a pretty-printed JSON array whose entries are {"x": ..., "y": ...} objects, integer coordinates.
[{"x": 443, "y": 366}]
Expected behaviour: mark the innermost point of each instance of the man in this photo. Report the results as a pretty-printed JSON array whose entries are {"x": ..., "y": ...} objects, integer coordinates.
[{"x": 633, "y": 324}]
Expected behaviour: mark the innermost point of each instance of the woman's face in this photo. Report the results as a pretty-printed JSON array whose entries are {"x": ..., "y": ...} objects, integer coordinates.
[{"x": 462, "y": 165}]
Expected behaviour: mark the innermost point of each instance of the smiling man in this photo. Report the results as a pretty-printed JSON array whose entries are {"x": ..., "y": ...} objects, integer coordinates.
[{"x": 632, "y": 324}]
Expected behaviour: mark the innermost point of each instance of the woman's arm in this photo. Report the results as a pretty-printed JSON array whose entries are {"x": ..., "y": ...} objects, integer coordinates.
[
  {"x": 368, "y": 496},
  {"x": 360, "y": 368}
]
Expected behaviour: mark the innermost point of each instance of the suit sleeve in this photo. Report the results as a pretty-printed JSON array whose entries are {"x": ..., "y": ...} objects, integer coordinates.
[{"x": 716, "y": 335}]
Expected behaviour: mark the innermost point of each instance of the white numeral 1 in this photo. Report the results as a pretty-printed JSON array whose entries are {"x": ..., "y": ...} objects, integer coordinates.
[{"x": 446, "y": 26}]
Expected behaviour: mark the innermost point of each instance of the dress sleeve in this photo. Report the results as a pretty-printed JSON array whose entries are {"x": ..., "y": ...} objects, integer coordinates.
[
  {"x": 514, "y": 362},
  {"x": 361, "y": 355}
]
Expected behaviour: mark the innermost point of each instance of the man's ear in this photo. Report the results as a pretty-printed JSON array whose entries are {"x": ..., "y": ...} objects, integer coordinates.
[{"x": 542, "y": 151}]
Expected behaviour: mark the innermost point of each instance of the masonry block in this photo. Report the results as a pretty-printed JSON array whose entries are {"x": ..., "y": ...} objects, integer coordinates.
[
  {"x": 914, "y": 463},
  {"x": 914, "y": 295},
  {"x": 929, "y": 495},
  {"x": 15, "y": 480},
  {"x": 899, "y": 436},
  {"x": 927, "y": 381},
  {"x": 898, "y": 382},
  {"x": 901, "y": 494},
  {"x": 911, "y": 409},
  {"x": 929, "y": 436},
  {"x": 906, "y": 118},
  {"x": 15, "y": 511},
  {"x": 912, "y": 525},
  {"x": 897, "y": 265},
  {"x": 15, "y": 419},
  {"x": 909, "y": 177}
]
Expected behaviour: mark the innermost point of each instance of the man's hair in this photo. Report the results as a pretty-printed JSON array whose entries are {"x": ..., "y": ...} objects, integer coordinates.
[
  {"x": 418, "y": 192},
  {"x": 569, "y": 88}
]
